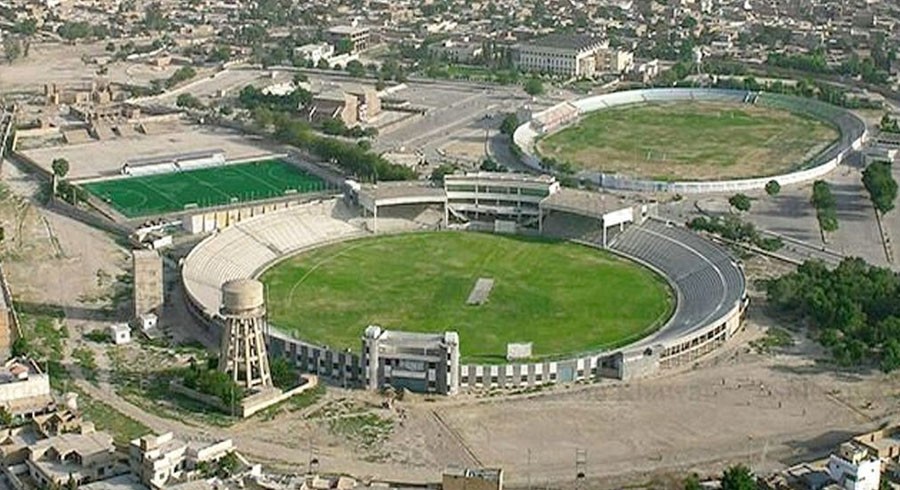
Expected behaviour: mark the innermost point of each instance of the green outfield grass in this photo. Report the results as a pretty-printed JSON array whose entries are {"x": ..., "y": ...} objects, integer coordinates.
[
  {"x": 203, "y": 188},
  {"x": 564, "y": 297},
  {"x": 691, "y": 141}
]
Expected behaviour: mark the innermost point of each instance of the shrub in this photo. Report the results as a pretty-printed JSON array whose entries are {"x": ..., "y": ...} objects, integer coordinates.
[{"x": 773, "y": 187}]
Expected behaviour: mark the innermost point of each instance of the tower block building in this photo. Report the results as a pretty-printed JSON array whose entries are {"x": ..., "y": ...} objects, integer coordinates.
[{"x": 243, "y": 351}]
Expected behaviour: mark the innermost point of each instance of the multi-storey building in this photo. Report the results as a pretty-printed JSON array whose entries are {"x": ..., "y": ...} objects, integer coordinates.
[{"x": 420, "y": 362}]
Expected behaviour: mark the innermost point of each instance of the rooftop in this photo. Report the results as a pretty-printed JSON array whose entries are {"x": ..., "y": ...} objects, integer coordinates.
[
  {"x": 589, "y": 203},
  {"x": 18, "y": 370},
  {"x": 82, "y": 444},
  {"x": 559, "y": 40},
  {"x": 347, "y": 29},
  {"x": 482, "y": 473},
  {"x": 393, "y": 190}
]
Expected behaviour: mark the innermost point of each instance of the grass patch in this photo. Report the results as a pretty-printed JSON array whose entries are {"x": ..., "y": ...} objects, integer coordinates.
[
  {"x": 563, "y": 297},
  {"x": 690, "y": 141},
  {"x": 368, "y": 430},
  {"x": 88, "y": 363},
  {"x": 775, "y": 338},
  {"x": 170, "y": 192},
  {"x": 106, "y": 418}
]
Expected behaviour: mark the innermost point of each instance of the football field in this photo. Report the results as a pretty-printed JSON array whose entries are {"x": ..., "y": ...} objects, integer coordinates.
[
  {"x": 691, "y": 141},
  {"x": 203, "y": 188},
  {"x": 563, "y": 297}
]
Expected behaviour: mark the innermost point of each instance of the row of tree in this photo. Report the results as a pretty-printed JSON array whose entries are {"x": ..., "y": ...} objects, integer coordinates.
[
  {"x": 826, "y": 206},
  {"x": 854, "y": 308},
  {"x": 733, "y": 228},
  {"x": 881, "y": 185},
  {"x": 277, "y": 112}
]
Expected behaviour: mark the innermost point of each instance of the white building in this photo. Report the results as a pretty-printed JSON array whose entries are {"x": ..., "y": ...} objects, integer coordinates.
[
  {"x": 120, "y": 333},
  {"x": 160, "y": 460},
  {"x": 314, "y": 52},
  {"x": 854, "y": 469},
  {"x": 484, "y": 195},
  {"x": 24, "y": 388},
  {"x": 419, "y": 362},
  {"x": 573, "y": 55}
]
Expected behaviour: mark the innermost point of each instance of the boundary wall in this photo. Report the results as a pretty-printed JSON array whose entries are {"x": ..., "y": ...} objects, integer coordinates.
[{"x": 853, "y": 134}]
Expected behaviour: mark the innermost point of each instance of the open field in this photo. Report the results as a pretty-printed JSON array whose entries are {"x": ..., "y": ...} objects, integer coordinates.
[
  {"x": 215, "y": 186},
  {"x": 690, "y": 141},
  {"x": 105, "y": 158},
  {"x": 565, "y": 298}
]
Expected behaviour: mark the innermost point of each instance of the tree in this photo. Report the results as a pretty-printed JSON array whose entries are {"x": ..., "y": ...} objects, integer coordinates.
[
  {"x": 6, "y": 418},
  {"x": 60, "y": 167},
  {"x": 534, "y": 87},
  {"x": 692, "y": 482},
  {"x": 283, "y": 374},
  {"x": 738, "y": 477},
  {"x": 355, "y": 69},
  {"x": 20, "y": 347},
  {"x": 12, "y": 47},
  {"x": 740, "y": 202},
  {"x": 188, "y": 101},
  {"x": 509, "y": 124},
  {"x": 323, "y": 64},
  {"x": 437, "y": 175},
  {"x": 881, "y": 185},
  {"x": 773, "y": 187}
]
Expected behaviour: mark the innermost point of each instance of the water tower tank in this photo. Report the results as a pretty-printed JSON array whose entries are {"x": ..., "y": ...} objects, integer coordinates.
[{"x": 242, "y": 296}]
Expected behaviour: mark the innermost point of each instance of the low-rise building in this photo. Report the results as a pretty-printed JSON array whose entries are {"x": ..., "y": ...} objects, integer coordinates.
[
  {"x": 83, "y": 457},
  {"x": 356, "y": 38},
  {"x": 314, "y": 52},
  {"x": 420, "y": 362},
  {"x": 853, "y": 468},
  {"x": 24, "y": 388},
  {"x": 472, "y": 479},
  {"x": 120, "y": 333},
  {"x": 158, "y": 460},
  {"x": 560, "y": 54}
]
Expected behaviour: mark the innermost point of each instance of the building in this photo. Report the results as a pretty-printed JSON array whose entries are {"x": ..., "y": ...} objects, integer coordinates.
[
  {"x": 572, "y": 55},
  {"x": 472, "y": 479},
  {"x": 24, "y": 389},
  {"x": 419, "y": 362},
  {"x": 353, "y": 37},
  {"x": 314, "y": 52},
  {"x": 159, "y": 460},
  {"x": 148, "y": 282},
  {"x": 352, "y": 108},
  {"x": 485, "y": 195},
  {"x": 9, "y": 327},
  {"x": 461, "y": 51},
  {"x": 84, "y": 457},
  {"x": 853, "y": 468},
  {"x": 120, "y": 333}
]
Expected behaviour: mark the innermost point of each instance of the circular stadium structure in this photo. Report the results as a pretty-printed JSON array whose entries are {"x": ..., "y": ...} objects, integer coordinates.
[
  {"x": 707, "y": 281},
  {"x": 851, "y": 129}
]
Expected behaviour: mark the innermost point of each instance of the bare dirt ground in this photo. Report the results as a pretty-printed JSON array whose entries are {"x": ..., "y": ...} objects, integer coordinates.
[
  {"x": 106, "y": 157},
  {"x": 738, "y": 405},
  {"x": 64, "y": 64}
]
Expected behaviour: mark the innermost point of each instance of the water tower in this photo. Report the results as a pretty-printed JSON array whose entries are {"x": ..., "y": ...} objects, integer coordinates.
[{"x": 243, "y": 352}]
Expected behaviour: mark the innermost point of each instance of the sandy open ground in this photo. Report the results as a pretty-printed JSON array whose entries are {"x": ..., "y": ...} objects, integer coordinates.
[{"x": 106, "y": 157}]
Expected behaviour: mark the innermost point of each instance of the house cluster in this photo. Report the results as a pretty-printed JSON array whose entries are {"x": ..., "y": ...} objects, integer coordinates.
[
  {"x": 60, "y": 450},
  {"x": 866, "y": 462}
]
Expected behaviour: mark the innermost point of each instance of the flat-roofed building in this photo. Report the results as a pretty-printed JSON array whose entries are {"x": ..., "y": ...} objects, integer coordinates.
[
  {"x": 472, "y": 479},
  {"x": 573, "y": 55},
  {"x": 419, "y": 362},
  {"x": 83, "y": 457},
  {"x": 24, "y": 388},
  {"x": 159, "y": 460},
  {"x": 498, "y": 195},
  {"x": 356, "y": 37}
]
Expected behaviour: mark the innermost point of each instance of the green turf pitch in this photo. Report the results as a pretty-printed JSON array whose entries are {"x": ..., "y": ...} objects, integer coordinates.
[
  {"x": 203, "y": 188},
  {"x": 691, "y": 141},
  {"x": 563, "y": 297}
]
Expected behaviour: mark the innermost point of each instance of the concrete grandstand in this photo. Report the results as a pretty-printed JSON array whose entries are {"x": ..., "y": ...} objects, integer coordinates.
[
  {"x": 708, "y": 282},
  {"x": 852, "y": 130}
]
